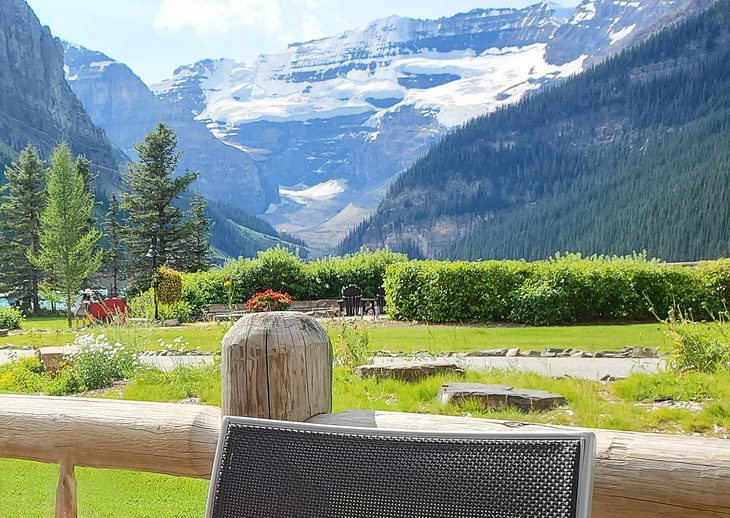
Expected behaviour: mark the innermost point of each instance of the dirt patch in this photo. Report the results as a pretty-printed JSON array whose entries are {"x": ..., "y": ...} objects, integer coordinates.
[{"x": 117, "y": 386}]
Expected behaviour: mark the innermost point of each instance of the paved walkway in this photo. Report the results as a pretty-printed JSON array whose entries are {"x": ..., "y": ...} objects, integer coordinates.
[
  {"x": 585, "y": 368},
  {"x": 165, "y": 363}
]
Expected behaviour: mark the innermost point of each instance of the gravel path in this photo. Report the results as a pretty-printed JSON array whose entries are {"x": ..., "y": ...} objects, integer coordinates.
[
  {"x": 165, "y": 363},
  {"x": 585, "y": 368}
]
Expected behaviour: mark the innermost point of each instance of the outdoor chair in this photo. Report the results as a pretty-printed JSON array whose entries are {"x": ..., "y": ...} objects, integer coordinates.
[
  {"x": 270, "y": 469},
  {"x": 351, "y": 300},
  {"x": 380, "y": 301}
]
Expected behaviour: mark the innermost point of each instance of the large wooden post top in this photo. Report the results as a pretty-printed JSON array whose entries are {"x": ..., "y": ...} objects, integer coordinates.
[{"x": 277, "y": 365}]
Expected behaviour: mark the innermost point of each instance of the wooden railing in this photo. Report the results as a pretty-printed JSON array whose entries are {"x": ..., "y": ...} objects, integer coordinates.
[{"x": 636, "y": 475}]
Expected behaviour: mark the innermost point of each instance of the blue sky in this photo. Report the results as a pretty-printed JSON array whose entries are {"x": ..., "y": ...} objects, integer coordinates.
[{"x": 154, "y": 37}]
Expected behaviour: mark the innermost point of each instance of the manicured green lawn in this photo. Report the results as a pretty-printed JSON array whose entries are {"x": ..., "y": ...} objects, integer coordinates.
[
  {"x": 400, "y": 337},
  {"x": 55, "y": 332},
  {"x": 28, "y": 489},
  {"x": 454, "y": 338}
]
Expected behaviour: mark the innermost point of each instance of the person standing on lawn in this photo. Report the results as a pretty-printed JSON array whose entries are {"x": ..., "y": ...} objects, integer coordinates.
[{"x": 82, "y": 307}]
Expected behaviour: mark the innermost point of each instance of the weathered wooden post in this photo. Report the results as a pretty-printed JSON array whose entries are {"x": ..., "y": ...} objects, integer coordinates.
[
  {"x": 66, "y": 492},
  {"x": 277, "y": 365}
]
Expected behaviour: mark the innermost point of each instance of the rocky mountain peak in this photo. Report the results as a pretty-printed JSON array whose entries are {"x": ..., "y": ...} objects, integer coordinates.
[{"x": 37, "y": 106}]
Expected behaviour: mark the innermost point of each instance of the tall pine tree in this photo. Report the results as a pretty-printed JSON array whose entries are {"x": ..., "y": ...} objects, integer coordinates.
[
  {"x": 66, "y": 243},
  {"x": 152, "y": 189},
  {"x": 197, "y": 229},
  {"x": 22, "y": 200},
  {"x": 115, "y": 253}
]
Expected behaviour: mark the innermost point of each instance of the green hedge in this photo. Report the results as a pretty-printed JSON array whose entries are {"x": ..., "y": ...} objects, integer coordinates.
[
  {"x": 563, "y": 290},
  {"x": 282, "y": 270}
]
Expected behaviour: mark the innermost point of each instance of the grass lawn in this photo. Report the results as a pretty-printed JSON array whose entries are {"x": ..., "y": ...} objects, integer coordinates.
[
  {"x": 28, "y": 489},
  {"x": 43, "y": 332},
  {"x": 455, "y": 338},
  {"x": 390, "y": 336}
]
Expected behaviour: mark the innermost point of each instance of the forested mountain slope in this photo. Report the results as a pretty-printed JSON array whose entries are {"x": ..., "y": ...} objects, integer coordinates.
[
  {"x": 633, "y": 154},
  {"x": 236, "y": 233}
]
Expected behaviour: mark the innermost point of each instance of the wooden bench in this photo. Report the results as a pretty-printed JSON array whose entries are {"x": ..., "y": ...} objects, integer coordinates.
[
  {"x": 317, "y": 308},
  {"x": 212, "y": 312}
]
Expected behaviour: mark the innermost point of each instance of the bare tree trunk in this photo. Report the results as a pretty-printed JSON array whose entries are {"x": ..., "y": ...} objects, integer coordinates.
[{"x": 68, "y": 311}]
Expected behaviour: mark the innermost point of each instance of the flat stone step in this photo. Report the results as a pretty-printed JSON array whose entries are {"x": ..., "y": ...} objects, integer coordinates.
[
  {"x": 408, "y": 371},
  {"x": 498, "y": 397}
]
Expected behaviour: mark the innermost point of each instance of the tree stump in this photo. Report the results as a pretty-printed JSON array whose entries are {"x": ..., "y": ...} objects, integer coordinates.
[{"x": 277, "y": 365}]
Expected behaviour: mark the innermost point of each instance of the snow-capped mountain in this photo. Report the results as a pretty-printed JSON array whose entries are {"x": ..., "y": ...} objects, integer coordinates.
[
  {"x": 331, "y": 122},
  {"x": 118, "y": 101}
]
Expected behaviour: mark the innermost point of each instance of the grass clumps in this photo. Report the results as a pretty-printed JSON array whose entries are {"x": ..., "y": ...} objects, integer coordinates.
[
  {"x": 181, "y": 383},
  {"x": 698, "y": 346},
  {"x": 351, "y": 343}
]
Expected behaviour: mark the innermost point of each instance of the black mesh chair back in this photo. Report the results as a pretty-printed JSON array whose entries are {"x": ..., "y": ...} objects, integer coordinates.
[
  {"x": 270, "y": 469},
  {"x": 351, "y": 300}
]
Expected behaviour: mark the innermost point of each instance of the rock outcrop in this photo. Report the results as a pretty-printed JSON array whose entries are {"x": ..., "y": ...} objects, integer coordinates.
[{"x": 36, "y": 104}]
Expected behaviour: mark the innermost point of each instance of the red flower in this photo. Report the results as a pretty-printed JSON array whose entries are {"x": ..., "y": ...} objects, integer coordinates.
[{"x": 269, "y": 300}]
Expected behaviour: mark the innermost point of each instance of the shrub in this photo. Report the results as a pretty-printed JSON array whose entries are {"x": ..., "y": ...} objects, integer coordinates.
[
  {"x": 97, "y": 363},
  {"x": 701, "y": 347},
  {"x": 10, "y": 318},
  {"x": 325, "y": 278},
  {"x": 169, "y": 285},
  {"x": 542, "y": 303},
  {"x": 563, "y": 289},
  {"x": 24, "y": 376},
  {"x": 269, "y": 300},
  {"x": 435, "y": 291},
  {"x": 283, "y": 271},
  {"x": 715, "y": 277},
  {"x": 143, "y": 306}
]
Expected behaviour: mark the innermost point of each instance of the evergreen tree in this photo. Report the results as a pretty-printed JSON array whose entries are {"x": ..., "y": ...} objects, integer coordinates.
[
  {"x": 197, "y": 229},
  {"x": 83, "y": 166},
  {"x": 21, "y": 203},
  {"x": 151, "y": 192},
  {"x": 66, "y": 243},
  {"x": 115, "y": 253}
]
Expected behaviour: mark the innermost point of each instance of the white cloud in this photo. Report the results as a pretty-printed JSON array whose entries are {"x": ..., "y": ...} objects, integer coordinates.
[
  {"x": 311, "y": 27},
  {"x": 207, "y": 17}
]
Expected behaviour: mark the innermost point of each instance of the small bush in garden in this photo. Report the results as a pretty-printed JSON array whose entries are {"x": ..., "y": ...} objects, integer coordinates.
[
  {"x": 169, "y": 285},
  {"x": 97, "y": 363},
  {"x": 24, "y": 376},
  {"x": 269, "y": 300},
  {"x": 143, "y": 306},
  {"x": 702, "y": 347},
  {"x": 10, "y": 318}
]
